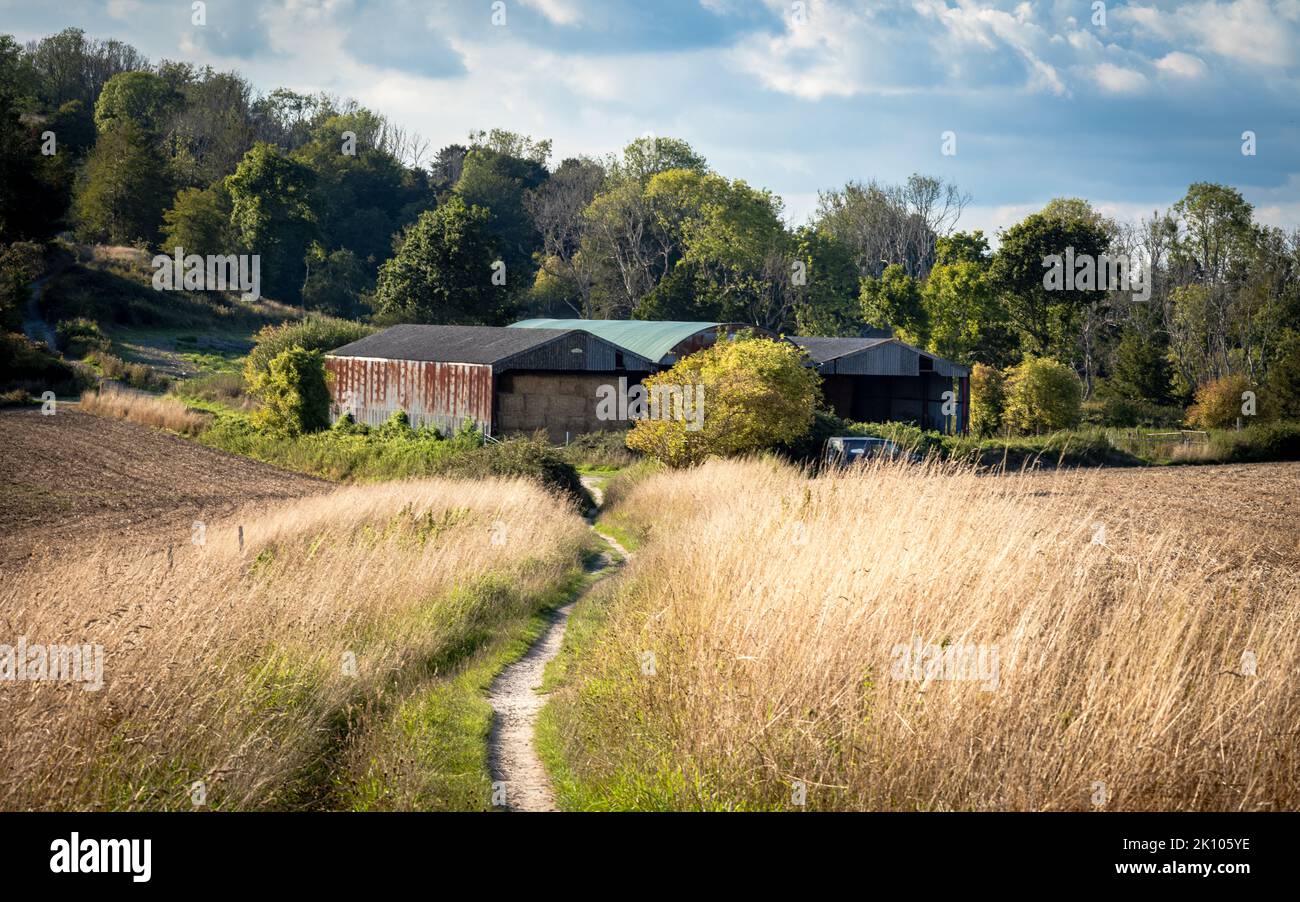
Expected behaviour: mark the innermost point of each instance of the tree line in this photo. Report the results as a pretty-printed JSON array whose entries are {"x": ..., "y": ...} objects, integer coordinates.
[{"x": 353, "y": 216}]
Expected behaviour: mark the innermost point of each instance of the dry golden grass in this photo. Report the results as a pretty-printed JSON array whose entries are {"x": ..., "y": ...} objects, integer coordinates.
[
  {"x": 232, "y": 666},
  {"x": 138, "y": 407},
  {"x": 774, "y": 608}
]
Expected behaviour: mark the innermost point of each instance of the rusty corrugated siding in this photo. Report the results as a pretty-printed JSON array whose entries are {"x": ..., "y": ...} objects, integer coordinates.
[{"x": 432, "y": 394}]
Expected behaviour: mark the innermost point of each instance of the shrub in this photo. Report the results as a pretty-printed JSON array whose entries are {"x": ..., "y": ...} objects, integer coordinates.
[
  {"x": 220, "y": 388},
  {"x": 1219, "y": 402},
  {"x": 1042, "y": 395},
  {"x": 312, "y": 333},
  {"x": 987, "y": 400},
  {"x": 757, "y": 394},
  {"x": 606, "y": 449},
  {"x": 136, "y": 375},
  {"x": 294, "y": 396},
  {"x": 78, "y": 337},
  {"x": 149, "y": 410},
  {"x": 30, "y": 366},
  {"x": 20, "y": 263}
]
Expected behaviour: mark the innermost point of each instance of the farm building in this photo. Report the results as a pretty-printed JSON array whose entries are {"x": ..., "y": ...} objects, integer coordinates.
[
  {"x": 501, "y": 379},
  {"x": 663, "y": 342},
  {"x": 873, "y": 380}
]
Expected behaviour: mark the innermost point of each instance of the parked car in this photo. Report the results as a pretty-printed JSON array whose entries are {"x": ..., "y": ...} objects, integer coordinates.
[{"x": 846, "y": 450}]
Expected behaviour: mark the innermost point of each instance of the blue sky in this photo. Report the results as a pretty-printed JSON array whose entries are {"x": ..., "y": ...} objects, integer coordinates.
[{"x": 1045, "y": 100}]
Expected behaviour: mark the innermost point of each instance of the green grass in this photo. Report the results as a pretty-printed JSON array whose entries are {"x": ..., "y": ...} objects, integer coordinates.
[{"x": 429, "y": 751}]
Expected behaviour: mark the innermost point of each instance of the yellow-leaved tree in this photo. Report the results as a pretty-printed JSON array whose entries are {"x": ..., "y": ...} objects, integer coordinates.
[{"x": 752, "y": 393}]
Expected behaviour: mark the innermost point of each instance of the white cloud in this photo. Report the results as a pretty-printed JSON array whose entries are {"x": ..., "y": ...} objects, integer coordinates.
[
  {"x": 561, "y": 12},
  {"x": 1182, "y": 65},
  {"x": 1119, "y": 80}
]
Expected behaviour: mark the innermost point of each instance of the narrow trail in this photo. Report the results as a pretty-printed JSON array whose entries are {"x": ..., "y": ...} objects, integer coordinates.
[
  {"x": 516, "y": 702},
  {"x": 36, "y": 328}
]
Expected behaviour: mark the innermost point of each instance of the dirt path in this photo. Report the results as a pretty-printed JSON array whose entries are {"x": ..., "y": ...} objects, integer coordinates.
[
  {"x": 36, "y": 328},
  {"x": 514, "y": 696}
]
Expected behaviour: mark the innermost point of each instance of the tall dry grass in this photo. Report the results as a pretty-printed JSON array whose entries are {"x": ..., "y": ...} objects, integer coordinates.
[
  {"x": 754, "y": 646},
  {"x": 255, "y": 671},
  {"x": 116, "y": 402}
]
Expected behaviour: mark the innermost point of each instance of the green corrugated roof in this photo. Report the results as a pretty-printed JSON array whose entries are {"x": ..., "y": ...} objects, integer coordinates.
[{"x": 652, "y": 339}]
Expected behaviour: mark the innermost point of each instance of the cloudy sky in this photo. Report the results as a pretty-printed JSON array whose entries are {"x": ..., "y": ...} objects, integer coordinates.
[{"x": 1045, "y": 98}]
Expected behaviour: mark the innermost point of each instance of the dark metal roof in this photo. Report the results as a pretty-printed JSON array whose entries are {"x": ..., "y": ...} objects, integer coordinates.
[
  {"x": 449, "y": 344},
  {"x": 824, "y": 349},
  {"x": 496, "y": 346}
]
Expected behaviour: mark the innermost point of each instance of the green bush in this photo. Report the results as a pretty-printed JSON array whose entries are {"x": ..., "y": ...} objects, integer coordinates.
[
  {"x": 603, "y": 450},
  {"x": 1262, "y": 442},
  {"x": 315, "y": 332},
  {"x": 1042, "y": 395},
  {"x": 136, "y": 375},
  {"x": 31, "y": 367},
  {"x": 78, "y": 337},
  {"x": 295, "y": 399},
  {"x": 987, "y": 400},
  {"x": 1117, "y": 412}
]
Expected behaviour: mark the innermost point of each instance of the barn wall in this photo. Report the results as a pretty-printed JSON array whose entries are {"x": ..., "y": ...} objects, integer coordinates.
[
  {"x": 556, "y": 402},
  {"x": 432, "y": 394},
  {"x": 904, "y": 399}
]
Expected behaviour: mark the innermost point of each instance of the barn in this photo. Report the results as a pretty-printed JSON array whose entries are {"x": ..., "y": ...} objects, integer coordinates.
[
  {"x": 875, "y": 380},
  {"x": 501, "y": 379},
  {"x": 662, "y": 341}
]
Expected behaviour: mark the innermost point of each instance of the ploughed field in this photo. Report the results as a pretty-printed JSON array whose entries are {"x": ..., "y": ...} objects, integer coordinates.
[{"x": 71, "y": 480}]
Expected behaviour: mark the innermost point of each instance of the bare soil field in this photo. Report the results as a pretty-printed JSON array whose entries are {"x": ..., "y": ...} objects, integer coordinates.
[
  {"x": 1258, "y": 504},
  {"x": 72, "y": 479}
]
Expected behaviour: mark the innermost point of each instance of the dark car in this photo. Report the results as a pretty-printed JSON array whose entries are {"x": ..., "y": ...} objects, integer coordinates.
[{"x": 845, "y": 450}]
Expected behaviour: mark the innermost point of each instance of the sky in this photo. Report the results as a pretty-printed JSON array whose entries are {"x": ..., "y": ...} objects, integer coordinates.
[{"x": 1125, "y": 104}]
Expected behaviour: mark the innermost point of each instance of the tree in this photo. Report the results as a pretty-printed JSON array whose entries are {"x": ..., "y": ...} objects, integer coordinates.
[
  {"x": 1283, "y": 385},
  {"x": 965, "y": 317},
  {"x": 294, "y": 393},
  {"x": 442, "y": 273},
  {"x": 1142, "y": 371},
  {"x": 987, "y": 400},
  {"x": 888, "y": 225},
  {"x": 1042, "y": 395},
  {"x": 894, "y": 301},
  {"x": 335, "y": 283},
  {"x": 648, "y": 156},
  {"x": 139, "y": 97},
  {"x": 271, "y": 216},
  {"x": 1221, "y": 402},
  {"x": 557, "y": 210},
  {"x": 199, "y": 221},
  {"x": 826, "y": 303},
  {"x": 124, "y": 188},
  {"x": 756, "y": 393},
  {"x": 1047, "y": 315},
  {"x": 498, "y": 173}
]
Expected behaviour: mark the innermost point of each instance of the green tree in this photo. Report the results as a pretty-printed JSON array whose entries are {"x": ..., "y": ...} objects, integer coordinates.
[
  {"x": 966, "y": 318},
  {"x": 648, "y": 156},
  {"x": 757, "y": 393},
  {"x": 199, "y": 221},
  {"x": 1042, "y": 395},
  {"x": 294, "y": 393},
  {"x": 335, "y": 282},
  {"x": 827, "y": 301},
  {"x": 498, "y": 174},
  {"x": 1048, "y": 316},
  {"x": 987, "y": 400},
  {"x": 1283, "y": 384},
  {"x": 442, "y": 273},
  {"x": 271, "y": 216},
  {"x": 139, "y": 97},
  {"x": 124, "y": 188},
  {"x": 894, "y": 301},
  {"x": 1142, "y": 370}
]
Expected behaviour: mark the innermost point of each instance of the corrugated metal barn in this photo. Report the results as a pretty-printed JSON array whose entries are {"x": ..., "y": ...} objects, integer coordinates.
[
  {"x": 874, "y": 380},
  {"x": 662, "y": 341},
  {"x": 502, "y": 379}
]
